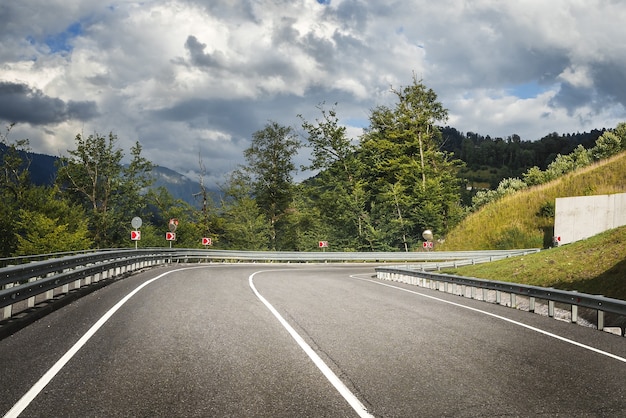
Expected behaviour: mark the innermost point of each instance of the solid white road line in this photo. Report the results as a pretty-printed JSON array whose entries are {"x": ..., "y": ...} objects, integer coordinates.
[
  {"x": 19, "y": 407},
  {"x": 530, "y": 327},
  {"x": 354, "y": 402}
]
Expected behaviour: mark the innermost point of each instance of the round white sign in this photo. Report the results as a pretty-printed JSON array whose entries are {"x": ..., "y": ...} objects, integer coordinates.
[{"x": 136, "y": 222}]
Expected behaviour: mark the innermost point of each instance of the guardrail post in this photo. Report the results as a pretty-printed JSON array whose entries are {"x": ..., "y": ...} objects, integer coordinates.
[
  {"x": 531, "y": 304},
  {"x": 473, "y": 292},
  {"x": 574, "y": 318},
  {"x": 50, "y": 293},
  {"x": 7, "y": 311},
  {"x": 484, "y": 293},
  {"x": 498, "y": 297},
  {"x": 513, "y": 300},
  {"x": 600, "y": 320},
  {"x": 31, "y": 301},
  {"x": 551, "y": 308}
]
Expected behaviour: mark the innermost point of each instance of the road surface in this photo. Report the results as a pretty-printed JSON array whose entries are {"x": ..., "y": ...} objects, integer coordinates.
[{"x": 314, "y": 340}]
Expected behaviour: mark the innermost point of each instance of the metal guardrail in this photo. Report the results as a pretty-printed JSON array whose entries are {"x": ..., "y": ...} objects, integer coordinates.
[
  {"x": 45, "y": 279},
  {"x": 330, "y": 256},
  {"x": 417, "y": 275}
]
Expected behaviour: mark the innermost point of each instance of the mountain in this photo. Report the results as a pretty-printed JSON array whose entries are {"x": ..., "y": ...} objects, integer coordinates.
[
  {"x": 179, "y": 186},
  {"x": 43, "y": 171}
]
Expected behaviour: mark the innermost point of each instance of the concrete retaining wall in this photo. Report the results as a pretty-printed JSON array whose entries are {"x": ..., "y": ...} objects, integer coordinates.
[{"x": 581, "y": 217}]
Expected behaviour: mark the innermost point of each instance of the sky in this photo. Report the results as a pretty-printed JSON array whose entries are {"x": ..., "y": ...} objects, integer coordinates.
[{"x": 192, "y": 80}]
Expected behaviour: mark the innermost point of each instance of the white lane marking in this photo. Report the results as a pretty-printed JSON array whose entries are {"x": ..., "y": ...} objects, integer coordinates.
[
  {"x": 19, "y": 407},
  {"x": 521, "y": 324},
  {"x": 354, "y": 402}
]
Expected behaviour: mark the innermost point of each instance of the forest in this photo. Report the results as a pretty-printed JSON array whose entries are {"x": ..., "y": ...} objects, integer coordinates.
[{"x": 407, "y": 172}]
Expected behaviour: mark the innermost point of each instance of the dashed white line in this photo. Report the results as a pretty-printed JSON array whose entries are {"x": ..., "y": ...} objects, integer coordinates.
[{"x": 354, "y": 402}]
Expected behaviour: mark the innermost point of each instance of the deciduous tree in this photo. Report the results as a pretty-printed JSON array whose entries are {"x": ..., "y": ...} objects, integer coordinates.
[
  {"x": 337, "y": 188},
  {"x": 270, "y": 166},
  {"x": 94, "y": 176},
  {"x": 411, "y": 182}
]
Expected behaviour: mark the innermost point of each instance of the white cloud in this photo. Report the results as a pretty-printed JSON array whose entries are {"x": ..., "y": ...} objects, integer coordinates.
[{"x": 190, "y": 76}]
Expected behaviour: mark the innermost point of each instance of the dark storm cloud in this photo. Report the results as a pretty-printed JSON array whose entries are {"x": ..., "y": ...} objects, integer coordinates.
[
  {"x": 606, "y": 89},
  {"x": 236, "y": 116},
  {"x": 354, "y": 13},
  {"x": 610, "y": 79},
  {"x": 199, "y": 57},
  {"x": 571, "y": 97},
  {"x": 21, "y": 103}
]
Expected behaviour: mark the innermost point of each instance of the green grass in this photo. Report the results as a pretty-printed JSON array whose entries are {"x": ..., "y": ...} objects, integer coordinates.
[
  {"x": 596, "y": 265},
  {"x": 525, "y": 220},
  {"x": 521, "y": 220}
]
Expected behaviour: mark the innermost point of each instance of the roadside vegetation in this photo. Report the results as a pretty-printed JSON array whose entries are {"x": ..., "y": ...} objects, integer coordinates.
[
  {"x": 524, "y": 218},
  {"x": 596, "y": 265},
  {"x": 404, "y": 174}
]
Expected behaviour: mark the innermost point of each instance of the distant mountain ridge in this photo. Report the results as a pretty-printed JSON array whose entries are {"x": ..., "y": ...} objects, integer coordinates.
[
  {"x": 179, "y": 185},
  {"x": 43, "y": 172}
]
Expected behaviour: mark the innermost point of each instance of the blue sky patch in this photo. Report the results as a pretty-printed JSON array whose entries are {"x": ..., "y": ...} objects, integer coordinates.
[
  {"x": 357, "y": 122},
  {"x": 527, "y": 90},
  {"x": 326, "y": 2},
  {"x": 61, "y": 42}
]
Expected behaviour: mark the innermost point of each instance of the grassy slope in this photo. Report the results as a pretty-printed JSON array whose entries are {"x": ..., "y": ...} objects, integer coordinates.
[
  {"x": 514, "y": 221},
  {"x": 596, "y": 265}
]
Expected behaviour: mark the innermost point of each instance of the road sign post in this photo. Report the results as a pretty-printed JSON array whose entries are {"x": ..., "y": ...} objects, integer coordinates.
[
  {"x": 135, "y": 235},
  {"x": 170, "y": 236}
]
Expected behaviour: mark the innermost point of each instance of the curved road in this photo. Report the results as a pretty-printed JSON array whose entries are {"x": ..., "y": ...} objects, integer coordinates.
[{"x": 271, "y": 340}]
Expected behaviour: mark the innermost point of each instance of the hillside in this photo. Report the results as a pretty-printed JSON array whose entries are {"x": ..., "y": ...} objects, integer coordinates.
[
  {"x": 43, "y": 171},
  {"x": 525, "y": 219},
  {"x": 596, "y": 265}
]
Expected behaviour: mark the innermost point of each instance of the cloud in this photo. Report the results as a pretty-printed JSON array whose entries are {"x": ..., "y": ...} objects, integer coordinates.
[
  {"x": 199, "y": 57},
  {"x": 20, "y": 103},
  {"x": 189, "y": 77}
]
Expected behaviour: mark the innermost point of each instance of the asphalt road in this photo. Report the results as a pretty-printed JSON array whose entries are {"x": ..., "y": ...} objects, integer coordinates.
[{"x": 266, "y": 340}]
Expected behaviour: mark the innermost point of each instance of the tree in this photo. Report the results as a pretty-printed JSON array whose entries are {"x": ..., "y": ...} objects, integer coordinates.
[
  {"x": 337, "y": 188},
  {"x": 620, "y": 131},
  {"x": 270, "y": 166},
  {"x": 412, "y": 184},
  {"x": 15, "y": 179},
  {"x": 207, "y": 216},
  {"x": 50, "y": 224},
  {"x": 607, "y": 145},
  {"x": 161, "y": 207},
  {"x": 243, "y": 225},
  {"x": 94, "y": 176},
  {"x": 14, "y": 184}
]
